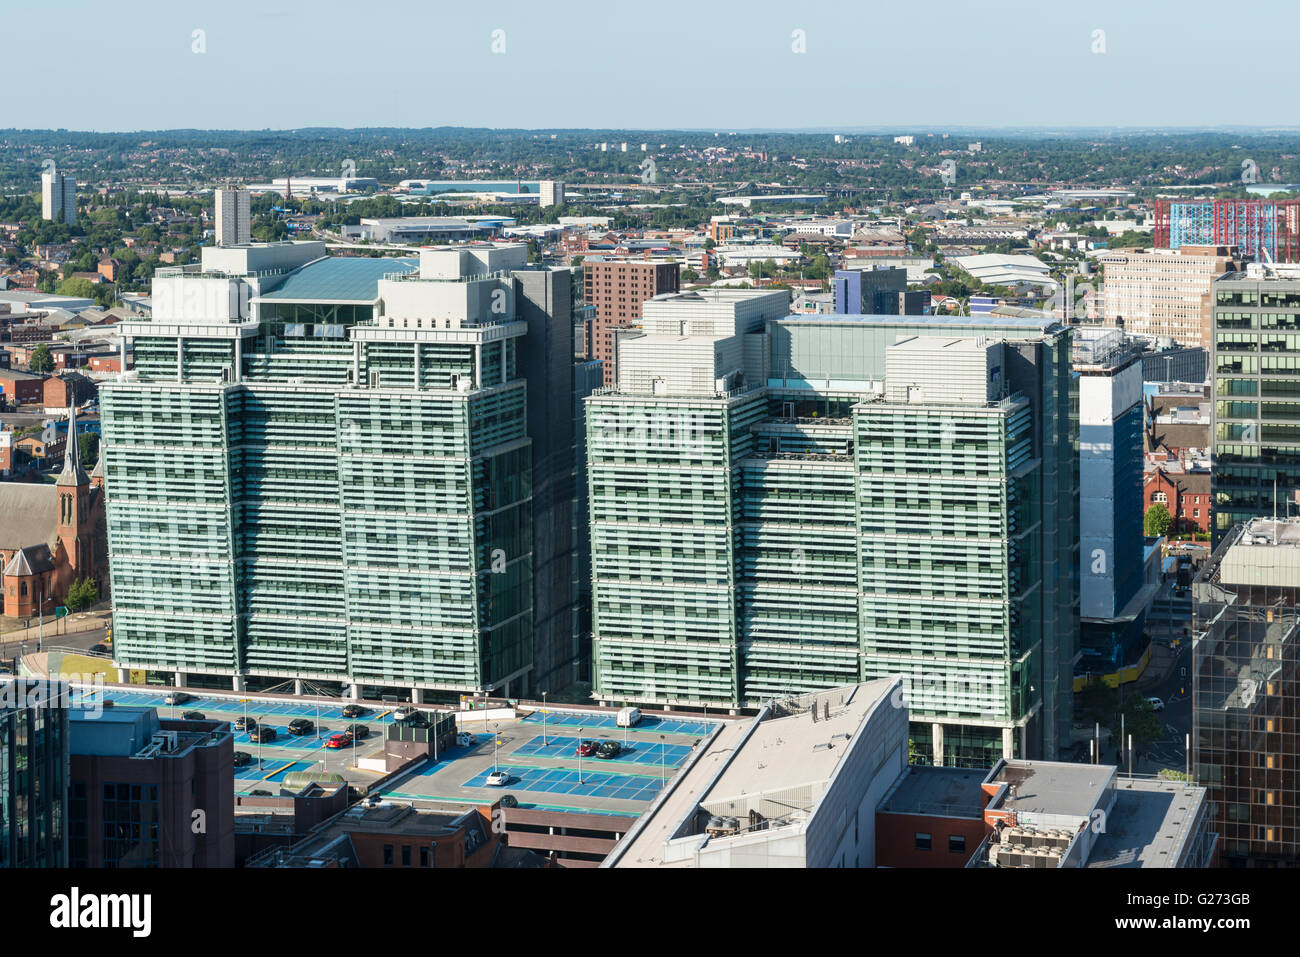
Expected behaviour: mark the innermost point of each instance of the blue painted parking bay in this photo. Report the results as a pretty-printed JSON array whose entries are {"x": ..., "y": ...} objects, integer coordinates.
[
  {"x": 637, "y": 752},
  {"x": 622, "y": 787},
  {"x": 254, "y": 709},
  {"x": 648, "y": 722},
  {"x": 445, "y": 755}
]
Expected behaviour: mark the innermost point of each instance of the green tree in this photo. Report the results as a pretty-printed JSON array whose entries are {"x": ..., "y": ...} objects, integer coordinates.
[
  {"x": 80, "y": 288},
  {"x": 82, "y": 594},
  {"x": 88, "y": 447},
  {"x": 1140, "y": 721},
  {"x": 1097, "y": 702},
  {"x": 41, "y": 360},
  {"x": 1158, "y": 521}
]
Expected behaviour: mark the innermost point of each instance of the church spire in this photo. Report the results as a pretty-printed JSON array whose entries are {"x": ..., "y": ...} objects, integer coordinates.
[{"x": 73, "y": 473}]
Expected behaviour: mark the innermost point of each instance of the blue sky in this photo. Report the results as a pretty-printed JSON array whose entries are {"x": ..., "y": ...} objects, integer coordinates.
[{"x": 703, "y": 64}]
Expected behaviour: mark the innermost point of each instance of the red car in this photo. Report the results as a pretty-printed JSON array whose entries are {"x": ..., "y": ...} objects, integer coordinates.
[
  {"x": 586, "y": 749},
  {"x": 339, "y": 741}
]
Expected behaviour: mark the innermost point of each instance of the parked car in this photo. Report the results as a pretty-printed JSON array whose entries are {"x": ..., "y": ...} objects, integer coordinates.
[
  {"x": 242, "y": 759},
  {"x": 337, "y": 741},
  {"x": 260, "y": 792},
  {"x": 498, "y": 779},
  {"x": 193, "y": 716},
  {"x": 609, "y": 749},
  {"x": 404, "y": 713},
  {"x": 465, "y": 739},
  {"x": 263, "y": 734},
  {"x": 245, "y": 724},
  {"x": 301, "y": 726},
  {"x": 1156, "y": 704},
  {"x": 586, "y": 748},
  {"x": 358, "y": 731},
  {"x": 354, "y": 710},
  {"x": 178, "y": 697}
]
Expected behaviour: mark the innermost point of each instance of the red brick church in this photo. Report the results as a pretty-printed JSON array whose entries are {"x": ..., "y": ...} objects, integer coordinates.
[{"x": 52, "y": 536}]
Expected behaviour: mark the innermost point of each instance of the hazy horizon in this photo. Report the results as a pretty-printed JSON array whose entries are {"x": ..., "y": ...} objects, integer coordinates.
[{"x": 586, "y": 65}]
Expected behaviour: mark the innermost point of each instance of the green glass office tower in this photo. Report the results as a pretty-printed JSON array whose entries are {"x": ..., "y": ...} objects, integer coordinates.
[
  {"x": 773, "y": 513},
  {"x": 33, "y": 773},
  {"x": 319, "y": 470},
  {"x": 1255, "y": 417}
]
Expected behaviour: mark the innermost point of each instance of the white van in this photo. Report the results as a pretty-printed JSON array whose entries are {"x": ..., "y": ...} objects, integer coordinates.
[{"x": 628, "y": 717}]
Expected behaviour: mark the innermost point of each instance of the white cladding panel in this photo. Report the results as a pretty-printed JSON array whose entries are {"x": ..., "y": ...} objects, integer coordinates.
[{"x": 929, "y": 369}]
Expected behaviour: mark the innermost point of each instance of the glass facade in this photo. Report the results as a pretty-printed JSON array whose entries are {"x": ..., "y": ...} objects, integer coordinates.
[
  {"x": 326, "y": 492},
  {"x": 1246, "y": 696},
  {"x": 805, "y": 535},
  {"x": 1255, "y": 418},
  {"x": 33, "y": 779},
  {"x": 130, "y": 819}
]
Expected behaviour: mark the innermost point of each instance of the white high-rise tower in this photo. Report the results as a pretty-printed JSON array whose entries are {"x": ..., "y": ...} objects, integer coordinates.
[
  {"x": 59, "y": 196},
  {"x": 233, "y": 217}
]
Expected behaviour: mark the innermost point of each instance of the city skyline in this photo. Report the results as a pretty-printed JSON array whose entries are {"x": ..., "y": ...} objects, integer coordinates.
[{"x": 650, "y": 436}]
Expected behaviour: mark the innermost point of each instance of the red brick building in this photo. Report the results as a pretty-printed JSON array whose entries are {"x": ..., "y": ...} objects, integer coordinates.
[
  {"x": 50, "y": 537},
  {"x": 1185, "y": 494},
  {"x": 20, "y": 388},
  {"x": 69, "y": 389},
  {"x": 932, "y": 817},
  {"x": 109, "y": 362},
  {"x": 617, "y": 288}
]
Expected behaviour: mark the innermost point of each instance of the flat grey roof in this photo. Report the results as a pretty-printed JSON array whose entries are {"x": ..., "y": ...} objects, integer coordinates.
[
  {"x": 1149, "y": 824},
  {"x": 1050, "y": 787},
  {"x": 944, "y": 792}
]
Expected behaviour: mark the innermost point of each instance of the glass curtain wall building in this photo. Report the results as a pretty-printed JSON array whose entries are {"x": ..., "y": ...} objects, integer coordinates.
[
  {"x": 33, "y": 773},
  {"x": 1255, "y": 416},
  {"x": 320, "y": 470},
  {"x": 772, "y": 515},
  {"x": 1245, "y": 697}
]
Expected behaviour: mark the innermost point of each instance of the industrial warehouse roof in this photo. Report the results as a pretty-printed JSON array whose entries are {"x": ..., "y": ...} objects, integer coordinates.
[{"x": 339, "y": 279}]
